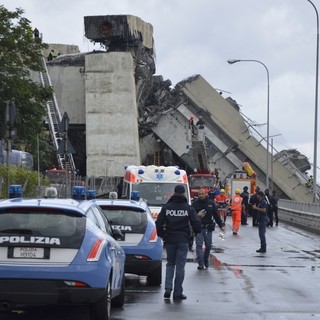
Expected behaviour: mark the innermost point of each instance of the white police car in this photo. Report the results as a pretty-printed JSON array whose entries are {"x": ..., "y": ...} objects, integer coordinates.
[
  {"x": 141, "y": 244},
  {"x": 59, "y": 251}
]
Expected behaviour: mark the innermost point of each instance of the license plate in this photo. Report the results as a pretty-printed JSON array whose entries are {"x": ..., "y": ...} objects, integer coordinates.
[{"x": 28, "y": 253}]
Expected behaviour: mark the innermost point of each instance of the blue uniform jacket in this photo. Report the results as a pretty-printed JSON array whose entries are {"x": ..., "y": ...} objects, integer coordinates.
[
  {"x": 211, "y": 212},
  {"x": 174, "y": 221}
]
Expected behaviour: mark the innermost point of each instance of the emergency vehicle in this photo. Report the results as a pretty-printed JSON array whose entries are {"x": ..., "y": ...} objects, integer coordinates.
[
  {"x": 240, "y": 179},
  {"x": 155, "y": 184},
  {"x": 201, "y": 180}
]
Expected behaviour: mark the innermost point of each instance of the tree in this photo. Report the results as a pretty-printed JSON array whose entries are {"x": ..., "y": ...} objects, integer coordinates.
[
  {"x": 27, "y": 179},
  {"x": 21, "y": 54},
  {"x": 47, "y": 155}
]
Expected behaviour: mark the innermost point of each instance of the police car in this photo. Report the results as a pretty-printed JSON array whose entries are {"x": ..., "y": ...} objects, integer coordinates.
[
  {"x": 59, "y": 251},
  {"x": 141, "y": 244}
]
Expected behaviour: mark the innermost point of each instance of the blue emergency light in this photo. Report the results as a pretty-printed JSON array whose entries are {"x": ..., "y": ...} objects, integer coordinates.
[
  {"x": 15, "y": 191},
  {"x": 91, "y": 194},
  {"x": 135, "y": 195},
  {"x": 79, "y": 193}
]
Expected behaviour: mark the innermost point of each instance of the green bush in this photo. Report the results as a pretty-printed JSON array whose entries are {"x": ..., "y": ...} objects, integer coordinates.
[{"x": 32, "y": 184}]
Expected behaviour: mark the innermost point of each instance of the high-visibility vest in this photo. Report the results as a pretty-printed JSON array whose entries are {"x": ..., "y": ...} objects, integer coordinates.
[
  {"x": 220, "y": 198},
  {"x": 236, "y": 203}
]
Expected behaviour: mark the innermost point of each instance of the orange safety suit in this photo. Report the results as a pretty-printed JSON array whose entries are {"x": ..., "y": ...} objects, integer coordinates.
[
  {"x": 222, "y": 202},
  {"x": 221, "y": 198},
  {"x": 236, "y": 208}
]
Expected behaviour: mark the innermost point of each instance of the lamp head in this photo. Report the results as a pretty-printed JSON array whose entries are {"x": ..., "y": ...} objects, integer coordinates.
[{"x": 232, "y": 61}]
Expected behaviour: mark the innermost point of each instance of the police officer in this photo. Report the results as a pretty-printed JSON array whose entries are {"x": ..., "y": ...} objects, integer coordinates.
[
  {"x": 274, "y": 204},
  {"x": 208, "y": 213},
  {"x": 245, "y": 196},
  {"x": 173, "y": 225},
  {"x": 270, "y": 211},
  {"x": 262, "y": 210},
  {"x": 254, "y": 201}
]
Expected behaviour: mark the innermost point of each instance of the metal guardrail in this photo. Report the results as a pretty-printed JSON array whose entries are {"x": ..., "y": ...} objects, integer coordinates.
[
  {"x": 303, "y": 215},
  {"x": 299, "y": 206}
]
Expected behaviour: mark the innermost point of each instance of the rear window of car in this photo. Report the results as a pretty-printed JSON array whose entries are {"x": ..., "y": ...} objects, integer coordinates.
[
  {"x": 68, "y": 228},
  {"x": 135, "y": 219}
]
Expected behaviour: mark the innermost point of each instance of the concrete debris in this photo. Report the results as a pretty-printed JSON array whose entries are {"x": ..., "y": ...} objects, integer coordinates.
[
  {"x": 159, "y": 99},
  {"x": 299, "y": 160},
  {"x": 66, "y": 60},
  {"x": 233, "y": 103},
  {"x": 118, "y": 32}
]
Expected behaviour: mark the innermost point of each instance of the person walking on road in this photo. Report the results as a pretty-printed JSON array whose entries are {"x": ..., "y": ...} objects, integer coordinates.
[
  {"x": 208, "y": 214},
  {"x": 245, "y": 196},
  {"x": 270, "y": 210},
  {"x": 173, "y": 226},
  {"x": 236, "y": 207},
  {"x": 274, "y": 204},
  {"x": 262, "y": 209},
  {"x": 222, "y": 202},
  {"x": 254, "y": 201},
  {"x": 212, "y": 193}
]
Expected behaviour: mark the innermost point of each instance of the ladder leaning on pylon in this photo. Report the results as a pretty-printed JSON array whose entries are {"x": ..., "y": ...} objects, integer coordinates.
[
  {"x": 54, "y": 119},
  {"x": 156, "y": 158}
]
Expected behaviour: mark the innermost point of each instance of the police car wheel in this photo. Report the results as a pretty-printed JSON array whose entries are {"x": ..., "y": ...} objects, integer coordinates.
[
  {"x": 154, "y": 279},
  {"x": 118, "y": 301},
  {"x": 101, "y": 310}
]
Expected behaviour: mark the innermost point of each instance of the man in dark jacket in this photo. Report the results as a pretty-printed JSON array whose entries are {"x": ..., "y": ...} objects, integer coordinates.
[
  {"x": 274, "y": 205},
  {"x": 254, "y": 201},
  {"x": 270, "y": 210},
  {"x": 244, "y": 214},
  {"x": 208, "y": 213},
  {"x": 173, "y": 226},
  {"x": 262, "y": 211}
]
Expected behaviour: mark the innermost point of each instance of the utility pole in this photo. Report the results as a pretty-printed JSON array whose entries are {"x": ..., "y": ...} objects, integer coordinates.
[{"x": 10, "y": 119}]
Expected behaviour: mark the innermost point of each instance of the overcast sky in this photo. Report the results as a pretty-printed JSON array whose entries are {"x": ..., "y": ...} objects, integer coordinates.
[{"x": 197, "y": 37}]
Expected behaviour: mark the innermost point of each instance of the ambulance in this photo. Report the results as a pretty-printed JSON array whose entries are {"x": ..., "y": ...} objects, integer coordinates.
[{"x": 155, "y": 184}]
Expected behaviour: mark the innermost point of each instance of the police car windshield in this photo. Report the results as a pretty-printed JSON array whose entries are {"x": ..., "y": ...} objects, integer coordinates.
[
  {"x": 41, "y": 224},
  {"x": 126, "y": 219},
  {"x": 156, "y": 194},
  {"x": 124, "y": 216}
]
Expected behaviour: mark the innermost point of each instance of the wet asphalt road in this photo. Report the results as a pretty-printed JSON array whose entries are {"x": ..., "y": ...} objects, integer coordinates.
[{"x": 240, "y": 284}]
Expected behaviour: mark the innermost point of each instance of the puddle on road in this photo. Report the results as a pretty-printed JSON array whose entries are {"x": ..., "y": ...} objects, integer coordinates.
[
  {"x": 313, "y": 256},
  {"x": 238, "y": 272},
  {"x": 237, "y": 269},
  {"x": 218, "y": 264},
  {"x": 217, "y": 250}
]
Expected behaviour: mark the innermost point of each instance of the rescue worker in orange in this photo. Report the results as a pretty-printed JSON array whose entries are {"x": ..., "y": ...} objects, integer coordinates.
[
  {"x": 191, "y": 125},
  {"x": 236, "y": 208},
  {"x": 222, "y": 202}
]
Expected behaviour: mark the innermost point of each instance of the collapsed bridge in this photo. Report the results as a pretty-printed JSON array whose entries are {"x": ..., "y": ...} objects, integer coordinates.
[{"x": 121, "y": 113}]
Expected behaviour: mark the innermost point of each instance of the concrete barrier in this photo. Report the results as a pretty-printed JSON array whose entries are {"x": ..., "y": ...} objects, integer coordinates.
[{"x": 304, "y": 215}]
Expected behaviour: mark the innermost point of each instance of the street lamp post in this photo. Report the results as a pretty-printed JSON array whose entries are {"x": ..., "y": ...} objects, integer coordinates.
[
  {"x": 315, "y": 113},
  {"x": 232, "y": 61}
]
